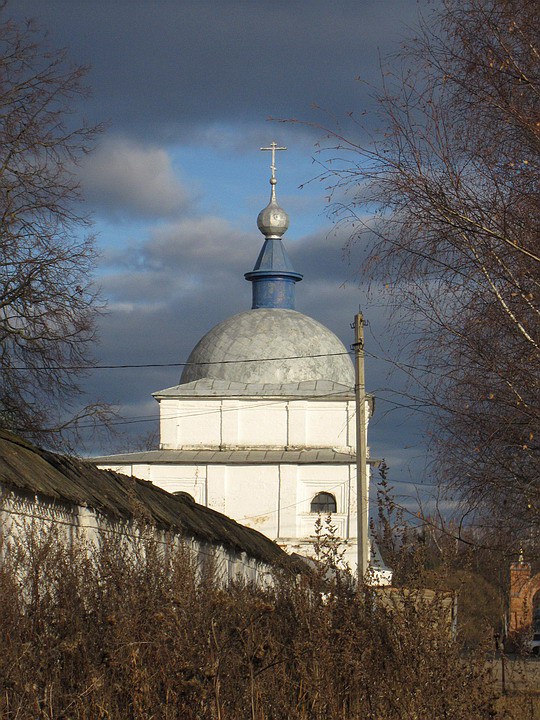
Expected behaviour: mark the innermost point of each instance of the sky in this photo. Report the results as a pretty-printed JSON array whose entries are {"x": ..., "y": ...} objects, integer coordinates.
[{"x": 189, "y": 91}]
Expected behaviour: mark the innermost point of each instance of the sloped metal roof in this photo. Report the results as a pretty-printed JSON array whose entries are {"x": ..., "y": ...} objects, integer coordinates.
[
  {"x": 213, "y": 387},
  {"x": 318, "y": 456},
  {"x": 29, "y": 470}
]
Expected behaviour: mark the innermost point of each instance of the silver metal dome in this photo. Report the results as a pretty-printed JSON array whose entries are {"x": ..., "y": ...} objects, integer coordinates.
[
  {"x": 238, "y": 350},
  {"x": 273, "y": 221}
]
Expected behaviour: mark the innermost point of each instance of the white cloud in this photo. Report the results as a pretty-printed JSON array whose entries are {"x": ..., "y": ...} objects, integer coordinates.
[{"x": 123, "y": 178}]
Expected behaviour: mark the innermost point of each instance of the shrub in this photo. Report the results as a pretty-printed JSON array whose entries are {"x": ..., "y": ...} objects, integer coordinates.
[{"x": 105, "y": 632}]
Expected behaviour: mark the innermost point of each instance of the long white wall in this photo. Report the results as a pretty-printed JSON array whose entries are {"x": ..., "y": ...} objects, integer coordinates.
[{"x": 21, "y": 515}]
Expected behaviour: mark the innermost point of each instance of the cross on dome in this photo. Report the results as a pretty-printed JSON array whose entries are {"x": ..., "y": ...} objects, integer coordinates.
[
  {"x": 273, "y": 147},
  {"x": 273, "y": 221},
  {"x": 273, "y": 276}
]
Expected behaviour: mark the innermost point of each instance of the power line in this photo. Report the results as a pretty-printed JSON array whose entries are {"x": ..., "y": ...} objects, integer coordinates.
[
  {"x": 406, "y": 367},
  {"x": 178, "y": 364},
  {"x": 137, "y": 419},
  {"x": 199, "y": 413}
]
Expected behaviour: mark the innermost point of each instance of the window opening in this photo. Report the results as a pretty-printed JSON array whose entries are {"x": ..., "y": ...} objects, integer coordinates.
[{"x": 323, "y": 503}]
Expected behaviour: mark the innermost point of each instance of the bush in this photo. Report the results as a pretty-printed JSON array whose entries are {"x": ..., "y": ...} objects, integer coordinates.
[{"x": 111, "y": 633}]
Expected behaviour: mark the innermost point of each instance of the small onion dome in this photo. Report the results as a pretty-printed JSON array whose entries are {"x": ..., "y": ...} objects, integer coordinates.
[{"x": 273, "y": 221}]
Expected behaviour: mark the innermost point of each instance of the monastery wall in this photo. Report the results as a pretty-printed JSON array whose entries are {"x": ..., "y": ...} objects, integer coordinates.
[{"x": 23, "y": 518}]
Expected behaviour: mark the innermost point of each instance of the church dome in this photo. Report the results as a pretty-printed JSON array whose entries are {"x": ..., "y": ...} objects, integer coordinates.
[{"x": 274, "y": 345}]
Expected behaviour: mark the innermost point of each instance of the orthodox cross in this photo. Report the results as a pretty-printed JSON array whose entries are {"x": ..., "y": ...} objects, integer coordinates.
[{"x": 273, "y": 147}]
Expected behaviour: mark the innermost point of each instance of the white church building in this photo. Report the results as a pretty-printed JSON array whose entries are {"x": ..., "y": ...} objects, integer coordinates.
[{"x": 262, "y": 424}]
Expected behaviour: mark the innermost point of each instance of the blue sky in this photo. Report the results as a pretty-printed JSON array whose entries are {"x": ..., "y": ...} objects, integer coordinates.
[{"x": 177, "y": 180}]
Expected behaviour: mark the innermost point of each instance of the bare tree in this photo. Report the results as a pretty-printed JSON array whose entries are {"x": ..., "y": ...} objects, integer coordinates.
[
  {"x": 48, "y": 303},
  {"x": 454, "y": 178}
]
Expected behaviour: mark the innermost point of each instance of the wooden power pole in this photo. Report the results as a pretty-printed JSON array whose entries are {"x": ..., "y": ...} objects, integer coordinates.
[{"x": 362, "y": 487}]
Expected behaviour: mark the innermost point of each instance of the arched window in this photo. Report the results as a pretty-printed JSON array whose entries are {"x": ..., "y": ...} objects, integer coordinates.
[
  {"x": 184, "y": 495},
  {"x": 323, "y": 503}
]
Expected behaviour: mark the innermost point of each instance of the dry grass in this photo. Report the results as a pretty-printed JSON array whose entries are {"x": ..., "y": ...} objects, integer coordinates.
[
  {"x": 517, "y": 681},
  {"x": 140, "y": 635}
]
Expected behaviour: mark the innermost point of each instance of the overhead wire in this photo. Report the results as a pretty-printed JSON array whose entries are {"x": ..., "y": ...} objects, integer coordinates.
[
  {"x": 199, "y": 413},
  {"x": 136, "y": 419},
  {"x": 137, "y": 366},
  {"x": 304, "y": 500},
  {"x": 144, "y": 419},
  {"x": 126, "y": 366}
]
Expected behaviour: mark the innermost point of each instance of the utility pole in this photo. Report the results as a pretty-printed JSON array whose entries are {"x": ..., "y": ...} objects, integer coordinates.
[{"x": 362, "y": 488}]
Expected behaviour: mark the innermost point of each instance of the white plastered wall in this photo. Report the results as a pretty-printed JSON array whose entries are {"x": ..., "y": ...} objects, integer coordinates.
[
  {"x": 22, "y": 516},
  {"x": 256, "y": 422},
  {"x": 274, "y": 498}
]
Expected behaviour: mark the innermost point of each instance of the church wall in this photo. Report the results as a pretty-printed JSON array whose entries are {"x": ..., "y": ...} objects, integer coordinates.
[
  {"x": 256, "y": 422},
  {"x": 297, "y": 432},
  {"x": 288, "y": 501},
  {"x": 216, "y": 488},
  {"x": 327, "y": 424},
  {"x": 251, "y": 496},
  {"x": 274, "y": 499},
  {"x": 191, "y": 479},
  {"x": 336, "y": 480},
  {"x": 167, "y": 424},
  {"x": 185, "y": 478},
  {"x": 190, "y": 423}
]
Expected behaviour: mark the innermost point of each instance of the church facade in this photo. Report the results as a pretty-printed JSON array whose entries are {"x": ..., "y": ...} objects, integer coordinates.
[{"x": 261, "y": 426}]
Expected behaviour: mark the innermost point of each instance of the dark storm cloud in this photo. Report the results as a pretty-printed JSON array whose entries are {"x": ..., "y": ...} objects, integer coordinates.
[
  {"x": 161, "y": 69},
  {"x": 328, "y": 255},
  {"x": 171, "y": 72}
]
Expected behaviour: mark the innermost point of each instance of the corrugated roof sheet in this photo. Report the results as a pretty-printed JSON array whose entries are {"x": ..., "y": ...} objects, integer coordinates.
[{"x": 28, "y": 469}]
